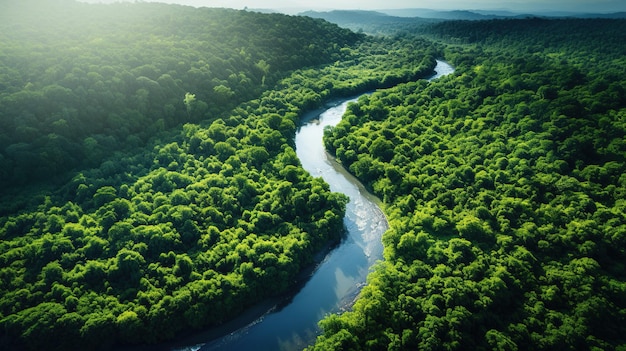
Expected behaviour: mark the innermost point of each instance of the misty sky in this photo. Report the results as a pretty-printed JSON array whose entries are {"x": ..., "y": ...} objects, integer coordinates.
[{"x": 515, "y": 5}]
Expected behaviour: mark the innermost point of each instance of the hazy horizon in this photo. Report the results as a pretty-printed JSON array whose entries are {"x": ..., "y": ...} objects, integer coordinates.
[{"x": 593, "y": 6}]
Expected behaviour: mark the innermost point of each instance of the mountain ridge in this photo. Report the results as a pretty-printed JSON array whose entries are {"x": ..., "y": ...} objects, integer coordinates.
[{"x": 401, "y": 15}]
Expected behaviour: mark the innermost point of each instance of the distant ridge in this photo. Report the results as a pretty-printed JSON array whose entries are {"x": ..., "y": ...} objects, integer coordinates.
[
  {"x": 439, "y": 14},
  {"x": 616, "y": 15},
  {"x": 474, "y": 15},
  {"x": 357, "y": 16},
  {"x": 352, "y": 18},
  {"x": 347, "y": 18}
]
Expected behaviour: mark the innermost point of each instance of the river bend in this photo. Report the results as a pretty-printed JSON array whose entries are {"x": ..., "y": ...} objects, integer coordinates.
[{"x": 336, "y": 282}]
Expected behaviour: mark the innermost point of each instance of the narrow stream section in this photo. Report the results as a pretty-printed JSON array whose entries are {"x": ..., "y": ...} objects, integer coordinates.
[{"x": 338, "y": 279}]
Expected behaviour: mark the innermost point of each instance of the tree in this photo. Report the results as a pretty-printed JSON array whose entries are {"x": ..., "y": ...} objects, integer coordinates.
[
  {"x": 130, "y": 326},
  {"x": 128, "y": 267},
  {"x": 104, "y": 195},
  {"x": 264, "y": 67},
  {"x": 189, "y": 101}
]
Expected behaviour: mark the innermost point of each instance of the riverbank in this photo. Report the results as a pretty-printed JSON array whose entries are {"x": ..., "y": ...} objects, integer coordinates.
[
  {"x": 289, "y": 322},
  {"x": 344, "y": 271}
]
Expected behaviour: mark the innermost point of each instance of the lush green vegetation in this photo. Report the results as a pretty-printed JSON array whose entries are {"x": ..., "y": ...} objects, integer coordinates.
[
  {"x": 505, "y": 186},
  {"x": 78, "y": 81},
  {"x": 150, "y": 185},
  {"x": 374, "y": 23},
  {"x": 210, "y": 216}
]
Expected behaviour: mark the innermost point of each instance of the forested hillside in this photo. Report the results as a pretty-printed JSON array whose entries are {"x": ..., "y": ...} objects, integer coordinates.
[
  {"x": 373, "y": 22},
  {"x": 505, "y": 187},
  {"x": 208, "y": 218},
  {"x": 79, "y": 81}
]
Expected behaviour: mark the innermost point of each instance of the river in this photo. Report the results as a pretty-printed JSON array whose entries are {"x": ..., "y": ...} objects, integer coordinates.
[{"x": 335, "y": 283}]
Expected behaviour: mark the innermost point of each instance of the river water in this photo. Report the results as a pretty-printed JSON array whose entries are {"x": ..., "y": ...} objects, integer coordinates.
[{"x": 335, "y": 283}]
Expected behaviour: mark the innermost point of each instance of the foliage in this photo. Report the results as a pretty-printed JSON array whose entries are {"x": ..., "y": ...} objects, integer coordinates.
[
  {"x": 79, "y": 81},
  {"x": 504, "y": 189},
  {"x": 209, "y": 217},
  {"x": 375, "y": 23}
]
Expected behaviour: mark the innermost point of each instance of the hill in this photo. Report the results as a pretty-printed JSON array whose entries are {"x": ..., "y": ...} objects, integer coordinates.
[
  {"x": 441, "y": 14},
  {"x": 477, "y": 15},
  {"x": 371, "y": 22},
  {"x": 80, "y": 82}
]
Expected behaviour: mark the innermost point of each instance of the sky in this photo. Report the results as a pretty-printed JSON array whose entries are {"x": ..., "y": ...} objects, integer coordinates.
[{"x": 596, "y": 6}]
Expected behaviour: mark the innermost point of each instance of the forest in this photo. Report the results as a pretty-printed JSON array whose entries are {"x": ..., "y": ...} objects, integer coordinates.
[
  {"x": 505, "y": 188},
  {"x": 79, "y": 82},
  {"x": 150, "y": 184}
]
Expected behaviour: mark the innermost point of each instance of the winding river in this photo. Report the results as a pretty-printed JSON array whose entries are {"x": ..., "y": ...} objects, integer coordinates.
[{"x": 334, "y": 285}]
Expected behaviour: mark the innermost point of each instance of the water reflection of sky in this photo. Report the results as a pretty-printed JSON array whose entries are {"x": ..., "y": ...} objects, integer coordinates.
[{"x": 336, "y": 282}]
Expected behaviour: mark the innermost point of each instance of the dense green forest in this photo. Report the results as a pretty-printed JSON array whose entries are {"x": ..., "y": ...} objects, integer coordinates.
[
  {"x": 505, "y": 187},
  {"x": 150, "y": 183},
  {"x": 373, "y": 22},
  {"x": 79, "y": 81}
]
